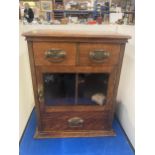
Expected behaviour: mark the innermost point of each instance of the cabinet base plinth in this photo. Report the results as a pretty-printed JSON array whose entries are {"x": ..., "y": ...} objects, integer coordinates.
[{"x": 65, "y": 134}]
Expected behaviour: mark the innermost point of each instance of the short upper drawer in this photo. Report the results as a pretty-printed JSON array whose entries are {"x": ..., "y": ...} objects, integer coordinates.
[
  {"x": 49, "y": 53},
  {"x": 98, "y": 54}
]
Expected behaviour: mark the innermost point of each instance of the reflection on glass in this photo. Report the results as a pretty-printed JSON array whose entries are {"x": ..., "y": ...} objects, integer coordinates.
[
  {"x": 92, "y": 89},
  {"x": 59, "y": 89}
]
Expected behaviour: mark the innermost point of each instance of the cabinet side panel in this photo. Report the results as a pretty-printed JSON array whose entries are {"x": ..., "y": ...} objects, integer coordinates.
[
  {"x": 122, "y": 49},
  {"x": 34, "y": 82}
]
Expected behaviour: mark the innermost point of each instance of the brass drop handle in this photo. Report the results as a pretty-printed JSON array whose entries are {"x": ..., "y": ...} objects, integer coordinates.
[
  {"x": 75, "y": 122},
  {"x": 55, "y": 55},
  {"x": 99, "y": 55},
  {"x": 40, "y": 93}
]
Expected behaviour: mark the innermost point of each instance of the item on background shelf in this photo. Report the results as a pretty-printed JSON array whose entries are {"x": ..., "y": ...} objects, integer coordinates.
[
  {"x": 70, "y": 19},
  {"x": 41, "y": 19},
  {"x": 92, "y": 22},
  {"x": 83, "y": 6},
  {"x": 98, "y": 98},
  {"x": 73, "y": 20},
  {"x": 46, "y": 6},
  {"x": 35, "y": 21},
  {"x": 128, "y": 7},
  {"x": 114, "y": 17},
  {"x": 67, "y": 6},
  {"x": 89, "y": 19},
  {"x": 48, "y": 16},
  {"x": 21, "y": 7},
  {"x": 106, "y": 18},
  {"x": 90, "y": 5},
  {"x": 58, "y": 7},
  {"x": 125, "y": 19},
  {"x": 131, "y": 18},
  {"x": 98, "y": 8},
  {"x": 25, "y": 21},
  {"x": 20, "y": 17},
  {"x": 113, "y": 8},
  {"x": 120, "y": 21},
  {"x": 99, "y": 20},
  {"x": 28, "y": 13},
  {"x": 100, "y": 3},
  {"x": 83, "y": 21},
  {"x": 37, "y": 10},
  {"x": 78, "y": 5},
  {"x": 46, "y": 22},
  {"x": 74, "y": 5},
  {"x": 107, "y": 6},
  {"x": 64, "y": 21},
  {"x": 51, "y": 21},
  {"x": 118, "y": 9},
  {"x": 56, "y": 22}
]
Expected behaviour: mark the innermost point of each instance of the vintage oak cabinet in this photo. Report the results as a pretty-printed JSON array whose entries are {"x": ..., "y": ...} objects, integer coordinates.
[{"x": 75, "y": 77}]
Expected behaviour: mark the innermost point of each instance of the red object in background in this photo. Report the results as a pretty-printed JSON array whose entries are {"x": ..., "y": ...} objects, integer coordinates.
[{"x": 92, "y": 22}]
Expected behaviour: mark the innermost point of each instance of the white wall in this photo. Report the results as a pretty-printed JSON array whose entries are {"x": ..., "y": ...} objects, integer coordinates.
[
  {"x": 125, "y": 108},
  {"x": 126, "y": 91},
  {"x": 26, "y": 100}
]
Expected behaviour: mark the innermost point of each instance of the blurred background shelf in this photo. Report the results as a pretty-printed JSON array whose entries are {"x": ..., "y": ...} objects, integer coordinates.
[{"x": 109, "y": 11}]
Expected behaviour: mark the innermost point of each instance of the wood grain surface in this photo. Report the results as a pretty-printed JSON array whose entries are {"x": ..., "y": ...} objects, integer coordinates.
[{"x": 52, "y": 121}]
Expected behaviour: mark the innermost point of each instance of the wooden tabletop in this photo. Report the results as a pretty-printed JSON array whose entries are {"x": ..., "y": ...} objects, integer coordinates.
[{"x": 75, "y": 33}]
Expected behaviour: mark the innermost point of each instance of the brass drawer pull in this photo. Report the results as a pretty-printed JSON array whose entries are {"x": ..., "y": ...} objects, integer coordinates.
[
  {"x": 75, "y": 122},
  {"x": 55, "y": 55},
  {"x": 99, "y": 55}
]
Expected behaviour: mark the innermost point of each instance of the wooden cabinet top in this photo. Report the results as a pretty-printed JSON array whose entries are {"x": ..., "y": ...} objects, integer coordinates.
[{"x": 75, "y": 34}]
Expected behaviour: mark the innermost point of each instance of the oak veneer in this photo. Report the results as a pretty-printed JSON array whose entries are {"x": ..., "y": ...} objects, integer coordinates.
[
  {"x": 40, "y": 47},
  {"x": 85, "y": 52},
  {"x": 85, "y": 48}
]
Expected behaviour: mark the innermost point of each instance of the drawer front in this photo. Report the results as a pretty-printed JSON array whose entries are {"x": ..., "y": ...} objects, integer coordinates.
[
  {"x": 76, "y": 121},
  {"x": 49, "y": 53},
  {"x": 98, "y": 54}
]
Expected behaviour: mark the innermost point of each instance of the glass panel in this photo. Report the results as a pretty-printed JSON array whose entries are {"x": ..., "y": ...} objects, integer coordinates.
[
  {"x": 92, "y": 89},
  {"x": 75, "y": 89},
  {"x": 59, "y": 89}
]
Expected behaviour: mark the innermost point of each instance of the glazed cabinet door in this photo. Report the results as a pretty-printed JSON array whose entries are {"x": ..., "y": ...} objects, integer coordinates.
[{"x": 56, "y": 89}]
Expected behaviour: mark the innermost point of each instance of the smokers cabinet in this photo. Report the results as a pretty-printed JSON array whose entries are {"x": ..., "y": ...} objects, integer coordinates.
[{"x": 75, "y": 76}]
